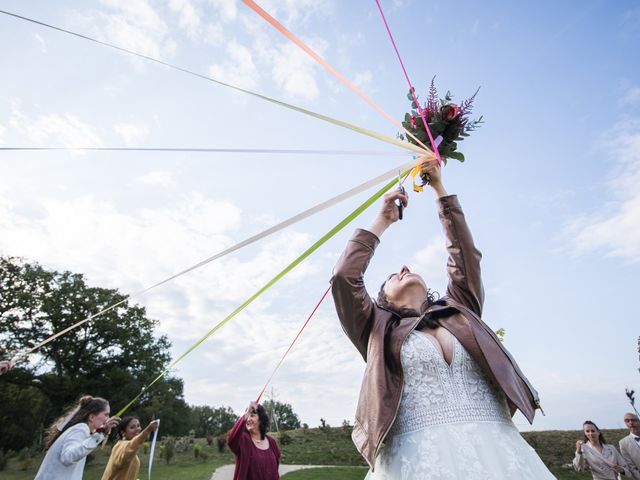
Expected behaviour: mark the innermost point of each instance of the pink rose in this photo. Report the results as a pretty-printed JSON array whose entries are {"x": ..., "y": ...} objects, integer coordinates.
[{"x": 451, "y": 111}]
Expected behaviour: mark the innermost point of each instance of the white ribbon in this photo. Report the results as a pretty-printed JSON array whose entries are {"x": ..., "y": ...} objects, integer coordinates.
[
  {"x": 153, "y": 446},
  {"x": 270, "y": 231}
]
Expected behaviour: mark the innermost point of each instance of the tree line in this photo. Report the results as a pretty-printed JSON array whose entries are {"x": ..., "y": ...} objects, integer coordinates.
[{"x": 113, "y": 356}]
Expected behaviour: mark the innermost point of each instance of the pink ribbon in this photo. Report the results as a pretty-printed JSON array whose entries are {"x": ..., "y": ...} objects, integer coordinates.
[
  {"x": 413, "y": 92},
  {"x": 278, "y": 26}
]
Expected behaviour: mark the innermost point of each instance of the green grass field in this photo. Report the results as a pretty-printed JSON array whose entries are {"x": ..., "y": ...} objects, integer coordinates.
[
  {"x": 556, "y": 449},
  {"x": 184, "y": 465},
  {"x": 331, "y": 446},
  {"x": 329, "y": 473}
]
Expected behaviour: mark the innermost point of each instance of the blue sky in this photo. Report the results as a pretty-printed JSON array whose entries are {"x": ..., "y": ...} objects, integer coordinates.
[{"x": 549, "y": 186}]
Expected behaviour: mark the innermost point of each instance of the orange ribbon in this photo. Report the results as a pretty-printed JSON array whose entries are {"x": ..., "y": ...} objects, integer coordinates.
[{"x": 256, "y": 8}]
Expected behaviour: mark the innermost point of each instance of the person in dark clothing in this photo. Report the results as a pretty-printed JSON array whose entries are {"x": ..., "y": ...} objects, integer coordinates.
[{"x": 257, "y": 455}]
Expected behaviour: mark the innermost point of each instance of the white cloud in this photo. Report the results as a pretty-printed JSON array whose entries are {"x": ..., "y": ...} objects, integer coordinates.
[
  {"x": 226, "y": 9},
  {"x": 430, "y": 262},
  {"x": 239, "y": 67},
  {"x": 211, "y": 294},
  {"x": 293, "y": 71},
  {"x": 2, "y": 130},
  {"x": 363, "y": 80},
  {"x": 134, "y": 25},
  {"x": 189, "y": 17},
  {"x": 630, "y": 25},
  {"x": 131, "y": 250},
  {"x": 214, "y": 34},
  {"x": 295, "y": 13},
  {"x": 158, "y": 179},
  {"x": 475, "y": 27},
  {"x": 41, "y": 42},
  {"x": 120, "y": 246},
  {"x": 615, "y": 228},
  {"x": 139, "y": 12},
  {"x": 111, "y": 242},
  {"x": 559, "y": 390},
  {"x": 131, "y": 132},
  {"x": 59, "y": 130},
  {"x": 398, "y": 4},
  {"x": 322, "y": 356},
  {"x": 632, "y": 97}
]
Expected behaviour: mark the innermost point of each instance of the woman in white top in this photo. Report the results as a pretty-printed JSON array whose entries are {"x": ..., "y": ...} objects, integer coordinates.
[
  {"x": 74, "y": 437},
  {"x": 602, "y": 458}
]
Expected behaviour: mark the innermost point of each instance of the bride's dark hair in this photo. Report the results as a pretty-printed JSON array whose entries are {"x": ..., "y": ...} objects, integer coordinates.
[{"x": 427, "y": 321}]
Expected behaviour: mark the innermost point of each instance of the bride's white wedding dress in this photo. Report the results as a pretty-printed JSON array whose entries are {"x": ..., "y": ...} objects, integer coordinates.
[{"x": 452, "y": 423}]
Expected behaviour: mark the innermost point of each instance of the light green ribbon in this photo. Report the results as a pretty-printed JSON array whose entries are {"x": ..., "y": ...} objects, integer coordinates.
[{"x": 348, "y": 219}]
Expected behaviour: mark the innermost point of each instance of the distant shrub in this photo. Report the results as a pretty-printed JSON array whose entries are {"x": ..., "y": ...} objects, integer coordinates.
[
  {"x": 183, "y": 444},
  {"x": 23, "y": 454},
  {"x": 222, "y": 442},
  {"x": 197, "y": 450},
  {"x": 3, "y": 460},
  {"x": 25, "y": 464},
  {"x": 346, "y": 427},
  {"x": 285, "y": 438},
  {"x": 169, "y": 449},
  {"x": 324, "y": 426},
  {"x": 35, "y": 449}
]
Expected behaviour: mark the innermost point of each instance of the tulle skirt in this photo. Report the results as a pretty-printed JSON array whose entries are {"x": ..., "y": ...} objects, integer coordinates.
[{"x": 460, "y": 451}]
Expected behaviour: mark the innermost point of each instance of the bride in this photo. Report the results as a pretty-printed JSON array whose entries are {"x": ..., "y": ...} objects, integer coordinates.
[{"x": 439, "y": 389}]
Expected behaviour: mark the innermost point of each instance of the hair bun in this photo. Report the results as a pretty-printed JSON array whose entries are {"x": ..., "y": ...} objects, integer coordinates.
[{"x": 85, "y": 400}]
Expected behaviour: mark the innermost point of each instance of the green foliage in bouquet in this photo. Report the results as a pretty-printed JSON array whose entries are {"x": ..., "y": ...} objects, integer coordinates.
[{"x": 445, "y": 119}]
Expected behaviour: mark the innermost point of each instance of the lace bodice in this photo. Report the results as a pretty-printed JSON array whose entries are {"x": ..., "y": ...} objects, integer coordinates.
[{"x": 436, "y": 393}]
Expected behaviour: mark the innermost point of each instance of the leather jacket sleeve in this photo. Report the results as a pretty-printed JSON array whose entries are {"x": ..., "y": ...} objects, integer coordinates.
[
  {"x": 463, "y": 264},
  {"x": 354, "y": 305}
]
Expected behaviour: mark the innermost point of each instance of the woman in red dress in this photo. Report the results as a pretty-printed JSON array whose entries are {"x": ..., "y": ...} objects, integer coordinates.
[{"x": 257, "y": 454}]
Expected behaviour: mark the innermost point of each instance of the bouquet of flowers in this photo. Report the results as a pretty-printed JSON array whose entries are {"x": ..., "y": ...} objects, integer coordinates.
[{"x": 446, "y": 120}]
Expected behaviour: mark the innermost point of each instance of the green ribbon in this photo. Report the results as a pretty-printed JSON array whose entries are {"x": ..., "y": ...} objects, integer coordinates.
[{"x": 348, "y": 219}]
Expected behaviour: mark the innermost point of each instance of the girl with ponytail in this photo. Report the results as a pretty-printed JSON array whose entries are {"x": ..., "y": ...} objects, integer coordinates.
[{"x": 74, "y": 436}]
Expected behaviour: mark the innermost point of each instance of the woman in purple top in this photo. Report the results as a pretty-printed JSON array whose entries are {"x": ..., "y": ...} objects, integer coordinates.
[{"x": 257, "y": 454}]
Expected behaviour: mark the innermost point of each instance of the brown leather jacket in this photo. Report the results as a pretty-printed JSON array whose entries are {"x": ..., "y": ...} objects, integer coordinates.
[{"x": 379, "y": 334}]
